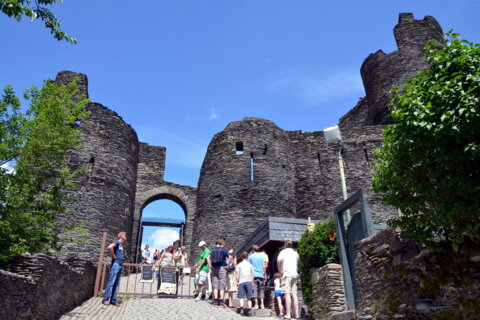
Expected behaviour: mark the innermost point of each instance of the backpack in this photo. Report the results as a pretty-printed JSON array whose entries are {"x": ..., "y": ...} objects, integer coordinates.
[{"x": 217, "y": 256}]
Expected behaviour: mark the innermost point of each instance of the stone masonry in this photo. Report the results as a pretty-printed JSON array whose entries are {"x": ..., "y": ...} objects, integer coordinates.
[
  {"x": 253, "y": 169},
  {"x": 328, "y": 292},
  {"x": 121, "y": 176},
  {"x": 43, "y": 288},
  {"x": 398, "y": 279}
]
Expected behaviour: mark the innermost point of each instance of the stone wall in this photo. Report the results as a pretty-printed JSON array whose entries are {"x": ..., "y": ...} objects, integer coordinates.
[
  {"x": 328, "y": 293},
  {"x": 396, "y": 278},
  {"x": 41, "y": 287}
]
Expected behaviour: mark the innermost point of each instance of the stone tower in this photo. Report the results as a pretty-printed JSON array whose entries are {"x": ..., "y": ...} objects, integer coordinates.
[
  {"x": 381, "y": 71},
  {"x": 105, "y": 194},
  {"x": 247, "y": 175}
]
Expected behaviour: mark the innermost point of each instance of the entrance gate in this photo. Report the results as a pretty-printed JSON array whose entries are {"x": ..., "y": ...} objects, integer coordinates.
[
  {"x": 359, "y": 227},
  {"x": 131, "y": 281}
]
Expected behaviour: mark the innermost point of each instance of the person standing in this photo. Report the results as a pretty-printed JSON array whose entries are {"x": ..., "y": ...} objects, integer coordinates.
[
  {"x": 181, "y": 260},
  {"x": 287, "y": 264},
  {"x": 257, "y": 260},
  {"x": 278, "y": 293},
  {"x": 202, "y": 268},
  {"x": 231, "y": 281},
  {"x": 146, "y": 254},
  {"x": 116, "y": 252},
  {"x": 244, "y": 279},
  {"x": 218, "y": 261},
  {"x": 165, "y": 260}
]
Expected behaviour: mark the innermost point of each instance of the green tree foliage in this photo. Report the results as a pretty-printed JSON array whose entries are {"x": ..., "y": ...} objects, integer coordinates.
[
  {"x": 38, "y": 142},
  {"x": 17, "y": 9},
  {"x": 429, "y": 164},
  {"x": 316, "y": 249}
]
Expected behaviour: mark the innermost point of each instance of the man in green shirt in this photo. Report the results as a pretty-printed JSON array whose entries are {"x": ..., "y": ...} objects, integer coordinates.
[{"x": 202, "y": 268}]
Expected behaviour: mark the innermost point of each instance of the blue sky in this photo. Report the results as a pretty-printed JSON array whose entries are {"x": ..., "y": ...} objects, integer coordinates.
[{"x": 180, "y": 71}]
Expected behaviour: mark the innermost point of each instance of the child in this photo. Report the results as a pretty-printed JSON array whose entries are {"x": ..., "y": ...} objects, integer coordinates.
[{"x": 278, "y": 293}]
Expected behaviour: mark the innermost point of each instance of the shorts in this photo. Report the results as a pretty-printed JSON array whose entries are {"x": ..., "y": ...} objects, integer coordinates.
[
  {"x": 289, "y": 285},
  {"x": 219, "y": 278},
  {"x": 278, "y": 294},
  {"x": 258, "y": 288},
  {"x": 202, "y": 277},
  {"x": 231, "y": 282},
  {"x": 245, "y": 290}
]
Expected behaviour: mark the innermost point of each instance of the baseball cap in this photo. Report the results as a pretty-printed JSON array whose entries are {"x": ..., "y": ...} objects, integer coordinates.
[{"x": 202, "y": 243}]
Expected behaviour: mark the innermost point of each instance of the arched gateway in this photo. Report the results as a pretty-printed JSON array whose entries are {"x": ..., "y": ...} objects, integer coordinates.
[{"x": 184, "y": 196}]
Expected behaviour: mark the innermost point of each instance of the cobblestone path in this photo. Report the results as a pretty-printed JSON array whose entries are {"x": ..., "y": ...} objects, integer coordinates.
[{"x": 154, "y": 309}]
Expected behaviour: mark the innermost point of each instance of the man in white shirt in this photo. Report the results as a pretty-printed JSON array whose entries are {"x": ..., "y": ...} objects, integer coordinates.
[{"x": 287, "y": 263}]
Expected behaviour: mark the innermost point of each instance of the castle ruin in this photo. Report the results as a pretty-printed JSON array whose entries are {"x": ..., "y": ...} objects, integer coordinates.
[{"x": 252, "y": 170}]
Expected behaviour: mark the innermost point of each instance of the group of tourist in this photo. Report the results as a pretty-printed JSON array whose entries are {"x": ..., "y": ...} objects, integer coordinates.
[
  {"x": 168, "y": 257},
  {"x": 248, "y": 277}
]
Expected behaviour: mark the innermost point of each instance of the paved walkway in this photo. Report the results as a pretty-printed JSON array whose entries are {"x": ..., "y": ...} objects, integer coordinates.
[{"x": 155, "y": 309}]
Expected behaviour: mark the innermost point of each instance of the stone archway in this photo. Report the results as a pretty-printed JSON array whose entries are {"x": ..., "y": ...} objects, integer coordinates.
[{"x": 184, "y": 196}]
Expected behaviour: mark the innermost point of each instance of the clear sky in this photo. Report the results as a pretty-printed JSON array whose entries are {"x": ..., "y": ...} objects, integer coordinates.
[{"x": 180, "y": 71}]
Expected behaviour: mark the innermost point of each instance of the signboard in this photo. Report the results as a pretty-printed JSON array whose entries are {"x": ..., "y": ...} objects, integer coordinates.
[
  {"x": 168, "y": 278},
  {"x": 310, "y": 226},
  {"x": 147, "y": 273}
]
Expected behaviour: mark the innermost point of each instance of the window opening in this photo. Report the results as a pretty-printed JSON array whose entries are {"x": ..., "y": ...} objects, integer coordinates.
[
  {"x": 252, "y": 172},
  {"x": 365, "y": 151},
  {"x": 239, "y": 148},
  {"x": 319, "y": 162},
  {"x": 265, "y": 149}
]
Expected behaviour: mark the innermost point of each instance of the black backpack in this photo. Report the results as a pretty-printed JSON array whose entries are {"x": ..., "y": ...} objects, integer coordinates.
[{"x": 217, "y": 257}]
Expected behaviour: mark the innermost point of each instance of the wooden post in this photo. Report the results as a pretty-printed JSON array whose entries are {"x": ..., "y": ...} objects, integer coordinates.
[{"x": 99, "y": 267}]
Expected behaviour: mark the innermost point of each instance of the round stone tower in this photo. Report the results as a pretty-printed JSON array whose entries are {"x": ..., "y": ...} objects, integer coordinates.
[
  {"x": 246, "y": 176},
  {"x": 104, "y": 198},
  {"x": 381, "y": 71}
]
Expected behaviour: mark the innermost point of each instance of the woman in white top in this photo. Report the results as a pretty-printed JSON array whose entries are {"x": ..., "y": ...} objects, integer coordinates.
[
  {"x": 166, "y": 260},
  {"x": 231, "y": 280}
]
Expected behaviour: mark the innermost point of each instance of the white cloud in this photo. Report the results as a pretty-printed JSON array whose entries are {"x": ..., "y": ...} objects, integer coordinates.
[
  {"x": 162, "y": 238},
  {"x": 317, "y": 90},
  {"x": 213, "y": 114}
]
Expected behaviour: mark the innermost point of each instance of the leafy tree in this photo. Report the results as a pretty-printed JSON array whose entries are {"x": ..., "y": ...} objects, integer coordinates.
[
  {"x": 17, "y": 9},
  {"x": 38, "y": 142},
  {"x": 316, "y": 249},
  {"x": 429, "y": 164}
]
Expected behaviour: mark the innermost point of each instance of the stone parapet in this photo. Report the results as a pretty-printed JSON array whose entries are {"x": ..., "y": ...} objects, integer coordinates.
[
  {"x": 328, "y": 293},
  {"x": 43, "y": 288}
]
